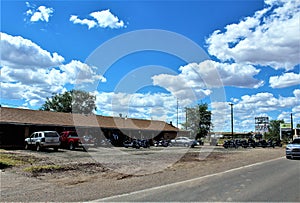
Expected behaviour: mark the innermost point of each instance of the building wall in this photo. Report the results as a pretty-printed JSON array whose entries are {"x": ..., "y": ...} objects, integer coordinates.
[{"x": 12, "y": 135}]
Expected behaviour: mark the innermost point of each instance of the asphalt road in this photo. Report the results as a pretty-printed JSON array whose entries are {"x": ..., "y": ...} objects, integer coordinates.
[{"x": 272, "y": 181}]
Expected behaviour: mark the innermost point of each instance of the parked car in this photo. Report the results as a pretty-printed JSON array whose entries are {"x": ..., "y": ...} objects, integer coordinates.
[
  {"x": 293, "y": 149},
  {"x": 184, "y": 141},
  {"x": 71, "y": 140},
  {"x": 43, "y": 139}
]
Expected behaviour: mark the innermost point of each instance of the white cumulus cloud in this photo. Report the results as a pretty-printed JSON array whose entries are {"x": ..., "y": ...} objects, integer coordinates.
[
  {"x": 79, "y": 72},
  {"x": 42, "y": 13},
  {"x": 106, "y": 19},
  {"x": 89, "y": 23},
  {"x": 158, "y": 106},
  {"x": 18, "y": 52},
  {"x": 102, "y": 19},
  {"x": 248, "y": 107},
  {"x": 285, "y": 80},
  {"x": 269, "y": 38},
  {"x": 31, "y": 74},
  {"x": 197, "y": 80}
]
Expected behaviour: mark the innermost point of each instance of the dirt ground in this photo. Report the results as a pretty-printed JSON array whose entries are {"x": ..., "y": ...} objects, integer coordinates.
[{"x": 102, "y": 172}]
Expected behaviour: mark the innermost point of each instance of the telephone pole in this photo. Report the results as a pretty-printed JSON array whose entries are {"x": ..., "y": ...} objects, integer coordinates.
[
  {"x": 292, "y": 133},
  {"x": 177, "y": 112},
  {"x": 231, "y": 105}
]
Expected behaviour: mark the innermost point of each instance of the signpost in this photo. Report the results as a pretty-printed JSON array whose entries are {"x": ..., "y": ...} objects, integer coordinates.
[
  {"x": 262, "y": 124},
  {"x": 284, "y": 127}
]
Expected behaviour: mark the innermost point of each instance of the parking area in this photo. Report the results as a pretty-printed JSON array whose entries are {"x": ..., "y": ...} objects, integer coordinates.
[{"x": 81, "y": 176}]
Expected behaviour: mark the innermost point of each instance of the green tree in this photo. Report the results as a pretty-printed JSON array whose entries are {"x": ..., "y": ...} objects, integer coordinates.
[
  {"x": 76, "y": 101},
  {"x": 274, "y": 129},
  {"x": 198, "y": 120},
  {"x": 298, "y": 125},
  {"x": 59, "y": 103},
  {"x": 83, "y": 102}
]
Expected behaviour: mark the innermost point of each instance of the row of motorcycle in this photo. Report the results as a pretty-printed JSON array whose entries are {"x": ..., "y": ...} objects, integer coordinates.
[
  {"x": 137, "y": 143},
  {"x": 236, "y": 143}
]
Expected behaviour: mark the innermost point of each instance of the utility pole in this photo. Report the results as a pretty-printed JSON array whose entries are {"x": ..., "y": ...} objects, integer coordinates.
[
  {"x": 292, "y": 133},
  {"x": 186, "y": 117},
  {"x": 231, "y": 105},
  {"x": 177, "y": 112}
]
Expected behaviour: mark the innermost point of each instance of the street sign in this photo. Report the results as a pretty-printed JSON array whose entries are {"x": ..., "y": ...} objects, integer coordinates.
[{"x": 285, "y": 125}]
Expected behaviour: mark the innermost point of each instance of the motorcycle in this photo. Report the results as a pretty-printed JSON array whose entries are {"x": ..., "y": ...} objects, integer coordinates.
[
  {"x": 244, "y": 143},
  {"x": 264, "y": 143},
  {"x": 251, "y": 143},
  {"x": 163, "y": 143},
  {"x": 278, "y": 143},
  {"x": 144, "y": 143},
  {"x": 230, "y": 144},
  {"x": 270, "y": 143},
  {"x": 134, "y": 144}
]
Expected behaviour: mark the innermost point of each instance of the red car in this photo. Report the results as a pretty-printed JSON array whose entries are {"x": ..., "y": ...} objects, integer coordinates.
[{"x": 71, "y": 140}]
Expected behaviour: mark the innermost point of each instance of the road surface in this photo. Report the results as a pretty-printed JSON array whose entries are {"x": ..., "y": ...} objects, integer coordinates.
[{"x": 270, "y": 181}]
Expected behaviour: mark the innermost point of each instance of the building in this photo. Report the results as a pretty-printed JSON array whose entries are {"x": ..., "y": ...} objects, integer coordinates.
[
  {"x": 286, "y": 131},
  {"x": 17, "y": 124}
]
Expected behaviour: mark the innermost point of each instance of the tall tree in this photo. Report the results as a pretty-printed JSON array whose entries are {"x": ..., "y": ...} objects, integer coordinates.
[
  {"x": 76, "y": 101},
  {"x": 274, "y": 128},
  {"x": 198, "y": 120},
  {"x": 83, "y": 102}
]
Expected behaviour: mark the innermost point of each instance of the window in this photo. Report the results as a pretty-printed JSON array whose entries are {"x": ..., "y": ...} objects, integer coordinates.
[
  {"x": 296, "y": 141},
  {"x": 73, "y": 134},
  {"x": 51, "y": 134}
]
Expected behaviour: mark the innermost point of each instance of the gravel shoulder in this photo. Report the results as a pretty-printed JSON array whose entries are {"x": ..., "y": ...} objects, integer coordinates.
[{"x": 80, "y": 176}]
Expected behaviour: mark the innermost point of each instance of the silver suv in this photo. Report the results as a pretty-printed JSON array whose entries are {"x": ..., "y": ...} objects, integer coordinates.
[
  {"x": 43, "y": 139},
  {"x": 292, "y": 150}
]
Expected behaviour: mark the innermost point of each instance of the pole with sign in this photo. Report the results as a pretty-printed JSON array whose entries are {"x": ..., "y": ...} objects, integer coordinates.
[{"x": 284, "y": 127}]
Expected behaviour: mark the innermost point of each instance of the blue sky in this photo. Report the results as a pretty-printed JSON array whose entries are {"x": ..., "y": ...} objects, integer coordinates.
[{"x": 140, "y": 57}]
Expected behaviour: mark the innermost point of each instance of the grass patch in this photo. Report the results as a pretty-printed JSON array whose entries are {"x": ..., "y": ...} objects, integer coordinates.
[
  {"x": 9, "y": 160},
  {"x": 43, "y": 168}
]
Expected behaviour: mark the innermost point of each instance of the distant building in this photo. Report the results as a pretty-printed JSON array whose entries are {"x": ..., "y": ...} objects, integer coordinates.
[
  {"x": 286, "y": 133},
  {"x": 296, "y": 132}
]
